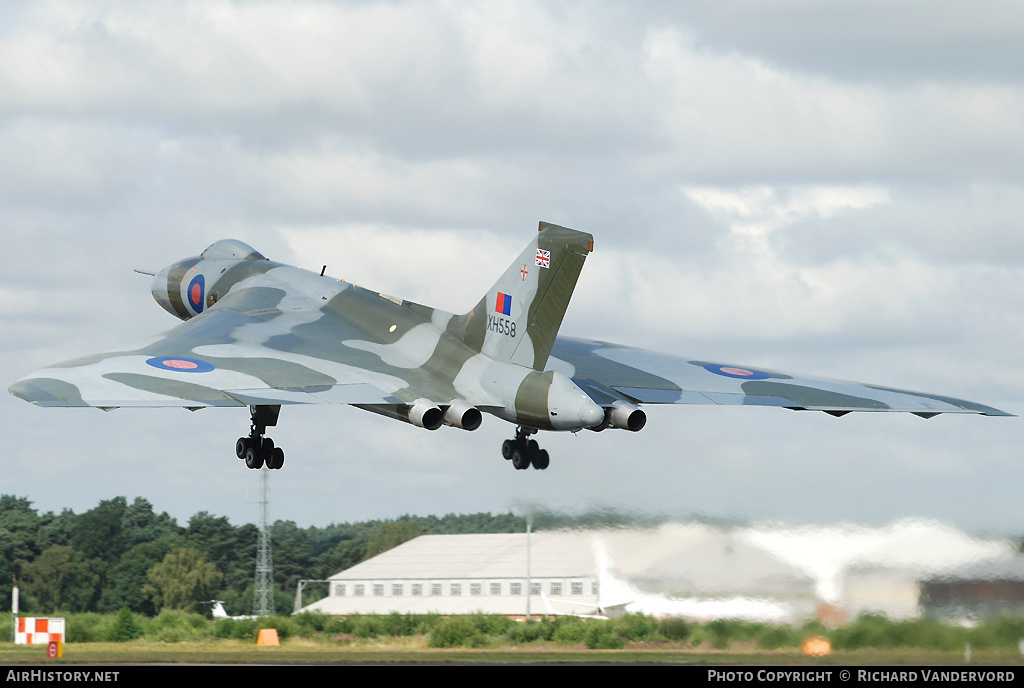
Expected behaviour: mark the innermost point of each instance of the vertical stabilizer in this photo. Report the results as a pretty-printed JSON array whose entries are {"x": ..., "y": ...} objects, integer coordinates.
[{"x": 518, "y": 319}]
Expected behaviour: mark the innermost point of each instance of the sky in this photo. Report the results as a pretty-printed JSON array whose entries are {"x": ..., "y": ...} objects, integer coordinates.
[{"x": 835, "y": 189}]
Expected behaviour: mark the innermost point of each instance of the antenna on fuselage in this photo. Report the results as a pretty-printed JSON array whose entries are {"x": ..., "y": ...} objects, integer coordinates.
[
  {"x": 323, "y": 270},
  {"x": 152, "y": 274}
]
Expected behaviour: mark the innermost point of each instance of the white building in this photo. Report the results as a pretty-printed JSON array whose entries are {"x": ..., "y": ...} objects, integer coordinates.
[
  {"x": 463, "y": 574},
  {"x": 695, "y": 571}
]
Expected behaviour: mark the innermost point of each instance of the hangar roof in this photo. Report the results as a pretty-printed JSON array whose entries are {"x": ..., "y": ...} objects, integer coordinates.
[{"x": 552, "y": 554}]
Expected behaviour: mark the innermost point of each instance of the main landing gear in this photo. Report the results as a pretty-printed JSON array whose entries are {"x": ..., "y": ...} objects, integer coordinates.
[
  {"x": 257, "y": 449},
  {"x": 525, "y": 452}
]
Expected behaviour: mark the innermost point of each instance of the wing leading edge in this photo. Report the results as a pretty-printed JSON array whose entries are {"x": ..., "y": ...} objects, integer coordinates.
[
  {"x": 249, "y": 349},
  {"x": 260, "y": 334},
  {"x": 611, "y": 373}
]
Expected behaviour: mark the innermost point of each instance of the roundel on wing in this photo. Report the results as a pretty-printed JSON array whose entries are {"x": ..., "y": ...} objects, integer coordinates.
[
  {"x": 736, "y": 372},
  {"x": 197, "y": 293},
  {"x": 180, "y": 365}
]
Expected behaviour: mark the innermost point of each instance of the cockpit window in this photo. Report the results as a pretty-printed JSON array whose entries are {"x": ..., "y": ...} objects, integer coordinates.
[{"x": 231, "y": 249}]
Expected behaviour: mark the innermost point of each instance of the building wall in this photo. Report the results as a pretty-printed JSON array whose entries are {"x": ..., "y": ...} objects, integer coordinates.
[{"x": 460, "y": 587}]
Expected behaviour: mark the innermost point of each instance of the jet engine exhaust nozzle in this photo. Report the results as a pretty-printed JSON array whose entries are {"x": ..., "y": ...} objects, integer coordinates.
[
  {"x": 624, "y": 416},
  {"x": 426, "y": 415},
  {"x": 462, "y": 414}
]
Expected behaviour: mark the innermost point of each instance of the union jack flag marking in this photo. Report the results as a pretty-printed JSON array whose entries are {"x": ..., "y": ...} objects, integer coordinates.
[{"x": 543, "y": 258}]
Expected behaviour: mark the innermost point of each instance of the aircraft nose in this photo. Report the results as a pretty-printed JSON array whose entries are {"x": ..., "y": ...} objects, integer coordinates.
[{"x": 159, "y": 290}]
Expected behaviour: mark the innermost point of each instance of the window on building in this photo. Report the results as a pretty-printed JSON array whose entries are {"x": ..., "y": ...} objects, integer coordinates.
[
  {"x": 593, "y": 587},
  {"x": 417, "y": 589},
  {"x": 359, "y": 590},
  {"x": 339, "y": 589},
  {"x": 456, "y": 589},
  {"x": 495, "y": 588},
  {"x": 556, "y": 588},
  {"x": 476, "y": 589},
  {"x": 515, "y": 588},
  {"x": 577, "y": 587},
  {"x": 534, "y": 588},
  {"x": 396, "y": 589},
  {"x": 435, "y": 589},
  {"x": 378, "y": 590}
]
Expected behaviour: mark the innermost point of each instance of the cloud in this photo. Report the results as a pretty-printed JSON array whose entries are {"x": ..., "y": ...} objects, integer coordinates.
[
  {"x": 826, "y": 188},
  {"x": 865, "y": 40}
]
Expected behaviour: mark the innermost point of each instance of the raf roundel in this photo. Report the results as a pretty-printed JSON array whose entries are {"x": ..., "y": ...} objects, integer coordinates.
[
  {"x": 734, "y": 372},
  {"x": 197, "y": 293},
  {"x": 180, "y": 365}
]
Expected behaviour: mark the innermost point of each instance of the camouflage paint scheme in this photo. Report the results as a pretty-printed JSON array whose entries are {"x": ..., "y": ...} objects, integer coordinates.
[{"x": 259, "y": 333}]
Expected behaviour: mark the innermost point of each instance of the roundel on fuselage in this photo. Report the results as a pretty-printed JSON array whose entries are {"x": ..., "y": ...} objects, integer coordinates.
[{"x": 196, "y": 293}]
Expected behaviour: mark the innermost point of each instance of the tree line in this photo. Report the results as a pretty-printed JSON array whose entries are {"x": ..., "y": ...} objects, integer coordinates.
[{"x": 124, "y": 555}]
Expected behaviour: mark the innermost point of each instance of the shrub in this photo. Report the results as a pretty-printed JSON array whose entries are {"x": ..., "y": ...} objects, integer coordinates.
[
  {"x": 774, "y": 637},
  {"x": 876, "y": 630},
  {"x": 525, "y": 632},
  {"x": 452, "y": 632},
  {"x": 603, "y": 636},
  {"x": 637, "y": 628},
  {"x": 125, "y": 627},
  {"x": 1003, "y": 631},
  {"x": 87, "y": 627},
  {"x": 365, "y": 626},
  {"x": 571, "y": 631},
  {"x": 674, "y": 628},
  {"x": 175, "y": 626},
  {"x": 240, "y": 629}
]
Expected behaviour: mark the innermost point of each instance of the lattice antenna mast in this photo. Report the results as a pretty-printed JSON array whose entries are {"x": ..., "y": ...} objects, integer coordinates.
[{"x": 263, "y": 600}]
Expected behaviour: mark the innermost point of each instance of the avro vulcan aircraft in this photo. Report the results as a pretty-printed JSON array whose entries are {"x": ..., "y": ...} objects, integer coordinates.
[{"x": 263, "y": 335}]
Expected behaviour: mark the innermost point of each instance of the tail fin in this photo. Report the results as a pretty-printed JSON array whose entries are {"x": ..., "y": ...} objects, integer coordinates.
[{"x": 518, "y": 319}]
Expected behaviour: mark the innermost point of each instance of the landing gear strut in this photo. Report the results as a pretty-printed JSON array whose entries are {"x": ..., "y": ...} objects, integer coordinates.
[
  {"x": 257, "y": 449},
  {"x": 524, "y": 452}
]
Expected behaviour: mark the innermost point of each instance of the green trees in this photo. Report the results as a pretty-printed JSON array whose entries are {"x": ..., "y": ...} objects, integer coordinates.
[
  {"x": 127, "y": 578},
  {"x": 121, "y": 554},
  {"x": 181, "y": 580},
  {"x": 391, "y": 534},
  {"x": 63, "y": 578}
]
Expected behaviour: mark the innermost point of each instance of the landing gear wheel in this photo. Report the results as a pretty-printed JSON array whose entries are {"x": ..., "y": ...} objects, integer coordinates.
[
  {"x": 253, "y": 459},
  {"x": 256, "y": 449},
  {"x": 541, "y": 460},
  {"x": 524, "y": 451},
  {"x": 521, "y": 459}
]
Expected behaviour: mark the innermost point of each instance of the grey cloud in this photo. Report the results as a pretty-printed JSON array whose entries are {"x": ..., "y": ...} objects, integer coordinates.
[
  {"x": 135, "y": 135},
  {"x": 867, "y": 40}
]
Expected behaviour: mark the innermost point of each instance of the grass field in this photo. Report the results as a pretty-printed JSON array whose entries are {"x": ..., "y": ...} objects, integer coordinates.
[{"x": 415, "y": 651}]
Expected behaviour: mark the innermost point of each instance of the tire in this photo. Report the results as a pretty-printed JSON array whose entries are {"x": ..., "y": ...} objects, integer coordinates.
[
  {"x": 276, "y": 458},
  {"x": 241, "y": 446},
  {"x": 541, "y": 460},
  {"x": 508, "y": 447},
  {"x": 253, "y": 459},
  {"x": 520, "y": 459}
]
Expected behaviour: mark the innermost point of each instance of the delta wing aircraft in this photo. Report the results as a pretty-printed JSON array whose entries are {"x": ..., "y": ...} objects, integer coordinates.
[{"x": 263, "y": 335}]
